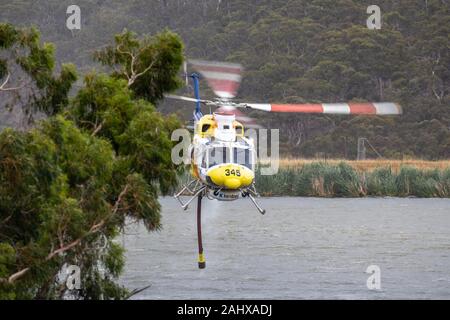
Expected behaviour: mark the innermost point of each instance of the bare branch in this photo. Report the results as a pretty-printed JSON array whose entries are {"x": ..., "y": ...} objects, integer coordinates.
[
  {"x": 5, "y": 82},
  {"x": 131, "y": 62},
  {"x": 136, "y": 291},
  {"x": 145, "y": 71},
  {"x": 98, "y": 128},
  {"x": 17, "y": 275},
  {"x": 2, "y": 86}
]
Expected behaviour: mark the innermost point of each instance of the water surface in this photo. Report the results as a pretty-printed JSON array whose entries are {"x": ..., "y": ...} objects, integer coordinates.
[{"x": 303, "y": 248}]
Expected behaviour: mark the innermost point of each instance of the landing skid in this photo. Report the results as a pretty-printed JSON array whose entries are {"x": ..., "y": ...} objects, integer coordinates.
[
  {"x": 203, "y": 190},
  {"x": 251, "y": 193},
  {"x": 197, "y": 191}
]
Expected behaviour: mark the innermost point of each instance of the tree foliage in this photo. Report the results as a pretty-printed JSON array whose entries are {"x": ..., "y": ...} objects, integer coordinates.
[
  {"x": 140, "y": 62},
  {"x": 69, "y": 184}
]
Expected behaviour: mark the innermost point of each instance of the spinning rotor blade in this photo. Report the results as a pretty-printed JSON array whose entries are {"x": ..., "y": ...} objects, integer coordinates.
[
  {"x": 379, "y": 108},
  {"x": 173, "y": 96},
  {"x": 224, "y": 78},
  {"x": 367, "y": 108}
]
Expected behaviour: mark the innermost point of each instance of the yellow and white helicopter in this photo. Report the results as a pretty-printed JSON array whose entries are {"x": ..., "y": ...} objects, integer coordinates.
[{"x": 222, "y": 159}]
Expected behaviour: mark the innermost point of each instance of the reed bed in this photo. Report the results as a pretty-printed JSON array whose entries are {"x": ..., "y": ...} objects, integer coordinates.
[
  {"x": 344, "y": 178},
  {"x": 350, "y": 179},
  {"x": 367, "y": 165}
]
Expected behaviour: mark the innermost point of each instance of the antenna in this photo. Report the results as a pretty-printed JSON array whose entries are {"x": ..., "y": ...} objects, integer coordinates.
[
  {"x": 361, "y": 155},
  {"x": 186, "y": 77},
  {"x": 362, "y": 149}
]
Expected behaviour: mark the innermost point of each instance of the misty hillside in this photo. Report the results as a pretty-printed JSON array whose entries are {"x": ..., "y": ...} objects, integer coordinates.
[{"x": 292, "y": 51}]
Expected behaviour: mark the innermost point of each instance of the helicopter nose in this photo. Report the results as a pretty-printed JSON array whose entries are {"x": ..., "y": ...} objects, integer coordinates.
[
  {"x": 231, "y": 176},
  {"x": 232, "y": 183}
]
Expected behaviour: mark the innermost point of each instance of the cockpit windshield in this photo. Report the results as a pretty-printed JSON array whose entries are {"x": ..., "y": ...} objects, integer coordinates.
[
  {"x": 218, "y": 155},
  {"x": 238, "y": 155}
]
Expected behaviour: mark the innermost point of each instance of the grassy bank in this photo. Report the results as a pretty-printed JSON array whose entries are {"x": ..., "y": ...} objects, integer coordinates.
[
  {"x": 343, "y": 178},
  {"x": 337, "y": 178},
  {"x": 368, "y": 165}
]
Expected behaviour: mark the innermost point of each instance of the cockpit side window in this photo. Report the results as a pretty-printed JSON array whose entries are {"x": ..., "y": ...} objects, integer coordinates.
[{"x": 205, "y": 127}]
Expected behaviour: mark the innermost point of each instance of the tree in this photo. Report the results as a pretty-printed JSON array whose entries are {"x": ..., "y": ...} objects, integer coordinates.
[
  {"x": 105, "y": 107},
  {"x": 69, "y": 185},
  {"x": 141, "y": 62}
]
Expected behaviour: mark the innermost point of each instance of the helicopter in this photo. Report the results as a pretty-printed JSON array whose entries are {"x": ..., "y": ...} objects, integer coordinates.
[{"x": 222, "y": 159}]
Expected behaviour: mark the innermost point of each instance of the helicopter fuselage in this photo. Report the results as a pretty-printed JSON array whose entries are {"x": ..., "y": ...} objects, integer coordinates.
[{"x": 222, "y": 159}]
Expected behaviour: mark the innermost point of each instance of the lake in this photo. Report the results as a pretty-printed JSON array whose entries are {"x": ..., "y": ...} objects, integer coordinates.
[{"x": 302, "y": 248}]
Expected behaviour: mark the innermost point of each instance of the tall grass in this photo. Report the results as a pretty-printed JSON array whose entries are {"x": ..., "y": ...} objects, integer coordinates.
[
  {"x": 368, "y": 165},
  {"x": 341, "y": 178},
  {"x": 321, "y": 179}
]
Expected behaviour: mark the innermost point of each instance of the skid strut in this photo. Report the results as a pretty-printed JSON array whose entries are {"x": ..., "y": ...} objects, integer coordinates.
[
  {"x": 195, "y": 193},
  {"x": 251, "y": 193},
  {"x": 201, "y": 256},
  {"x": 261, "y": 210}
]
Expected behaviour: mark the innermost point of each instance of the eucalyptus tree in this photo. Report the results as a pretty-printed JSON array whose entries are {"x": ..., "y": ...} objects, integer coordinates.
[{"x": 70, "y": 184}]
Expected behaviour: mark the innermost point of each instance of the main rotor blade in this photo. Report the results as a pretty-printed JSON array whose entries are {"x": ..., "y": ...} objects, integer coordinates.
[
  {"x": 223, "y": 78},
  {"x": 376, "y": 108},
  {"x": 173, "y": 96}
]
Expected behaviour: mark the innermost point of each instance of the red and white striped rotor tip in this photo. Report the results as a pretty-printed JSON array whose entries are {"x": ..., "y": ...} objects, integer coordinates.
[{"x": 375, "y": 108}]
